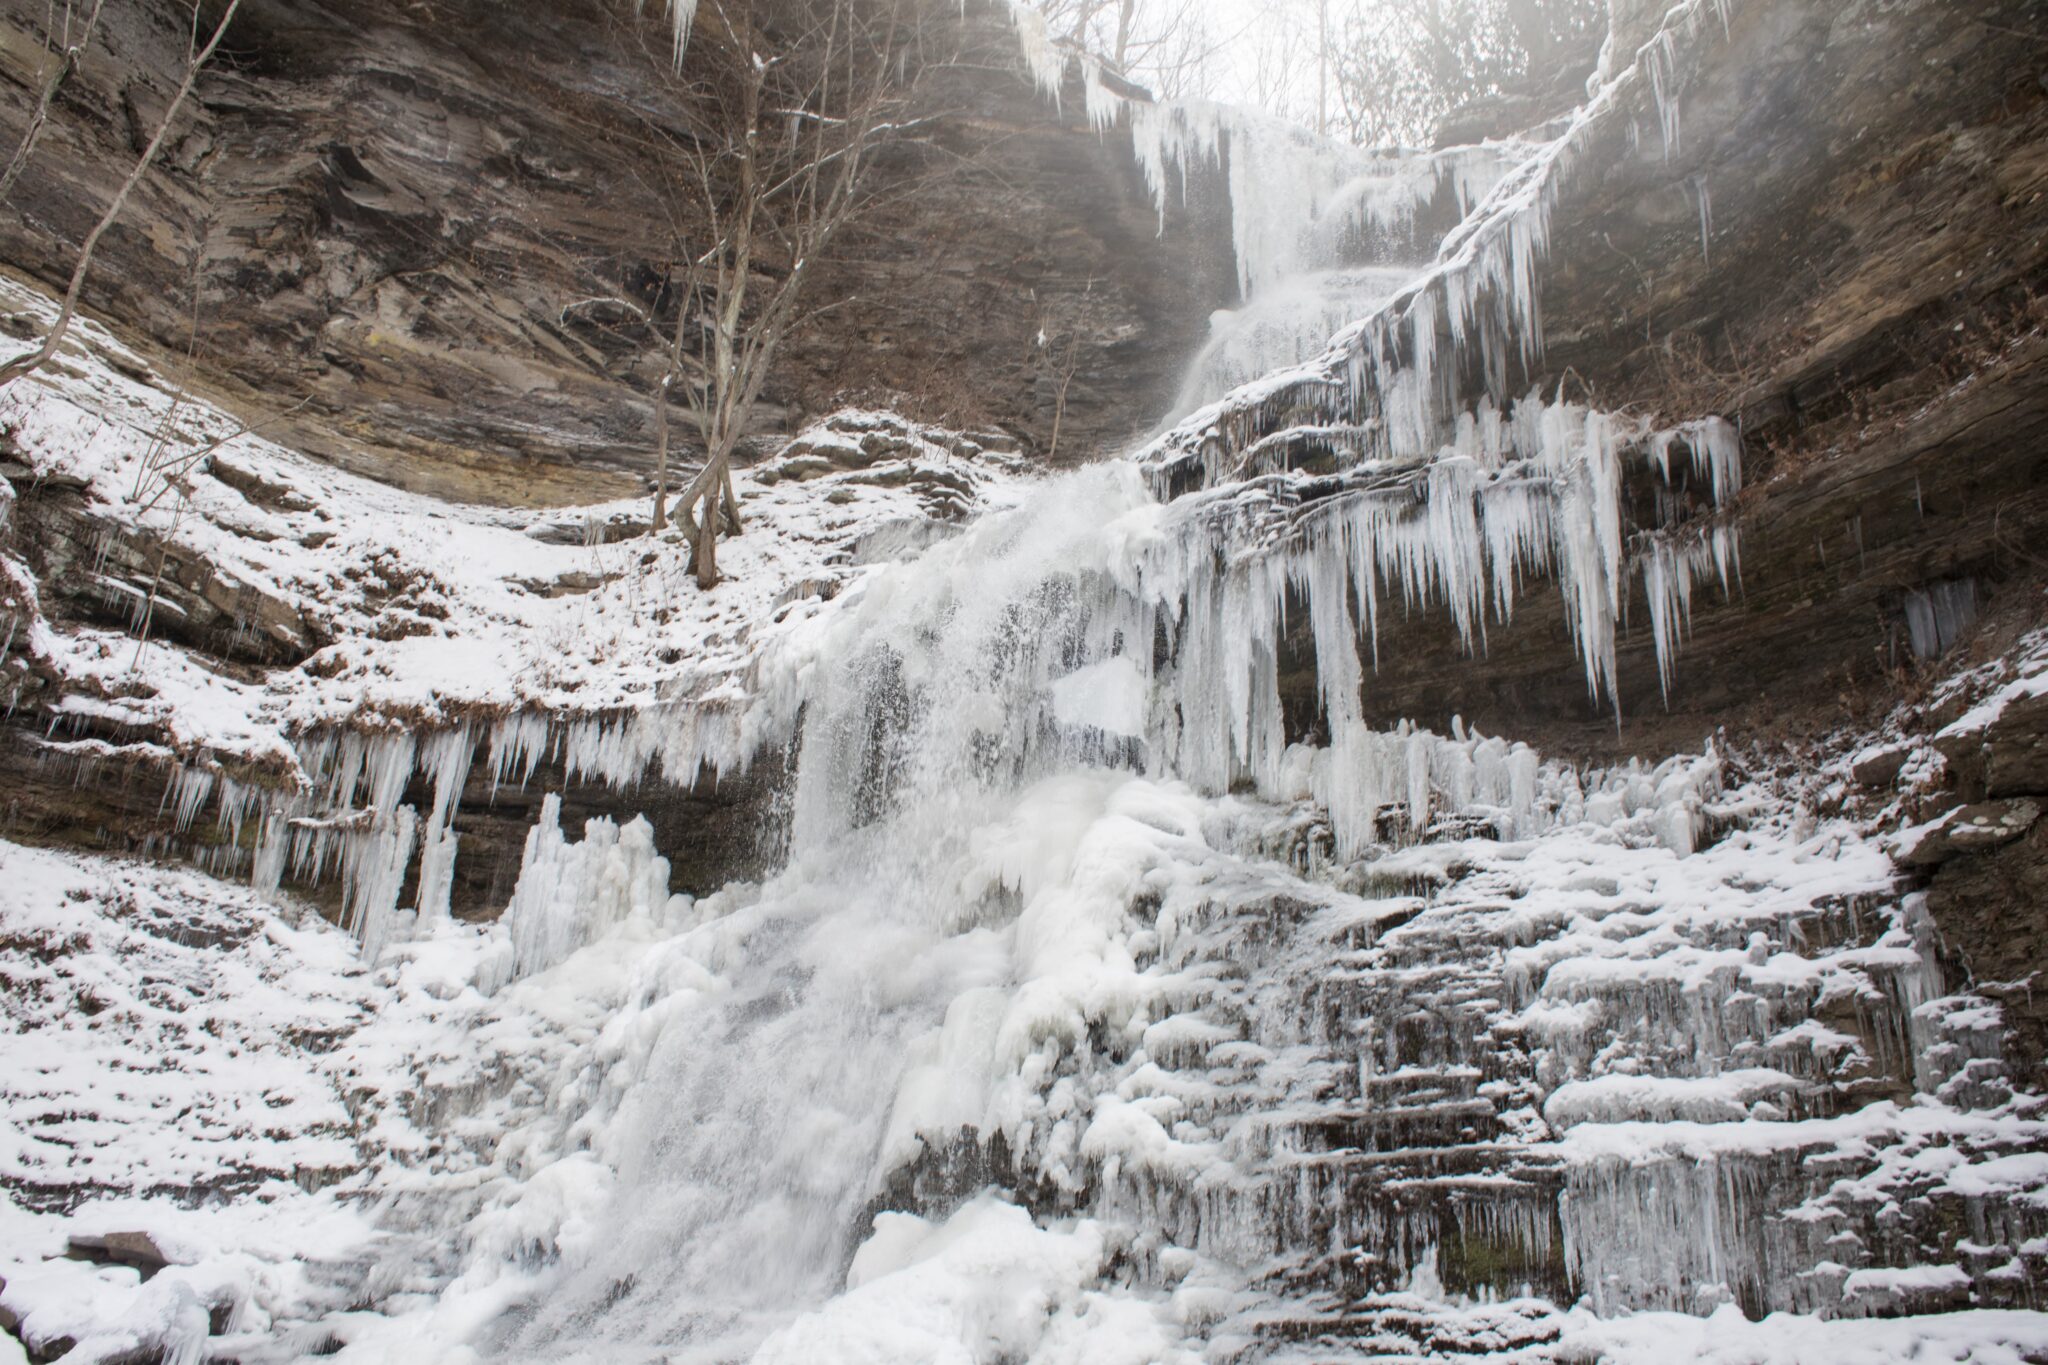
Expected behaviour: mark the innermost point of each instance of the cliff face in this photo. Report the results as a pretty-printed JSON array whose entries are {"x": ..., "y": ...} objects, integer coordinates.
[
  {"x": 1844, "y": 248},
  {"x": 1398, "y": 1020},
  {"x": 434, "y": 222}
]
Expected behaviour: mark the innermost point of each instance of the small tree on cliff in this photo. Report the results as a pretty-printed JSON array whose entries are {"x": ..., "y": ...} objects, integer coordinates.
[
  {"x": 790, "y": 101},
  {"x": 196, "y": 58}
]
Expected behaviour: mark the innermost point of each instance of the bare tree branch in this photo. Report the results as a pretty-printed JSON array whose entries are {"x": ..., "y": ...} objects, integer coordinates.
[{"x": 30, "y": 361}]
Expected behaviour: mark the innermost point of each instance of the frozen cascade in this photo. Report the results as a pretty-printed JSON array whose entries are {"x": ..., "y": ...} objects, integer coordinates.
[
  {"x": 568, "y": 894},
  {"x": 965, "y": 843},
  {"x": 1273, "y": 1040}
]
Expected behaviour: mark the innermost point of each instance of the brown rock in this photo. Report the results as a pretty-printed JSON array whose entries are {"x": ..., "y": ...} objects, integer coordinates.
[
  {"x": 136, "y": 1249},
  {"x": 1970, "y": 829},
  {"x": 2006, "y": 757},
  {"x": 1878, "y": 768}
]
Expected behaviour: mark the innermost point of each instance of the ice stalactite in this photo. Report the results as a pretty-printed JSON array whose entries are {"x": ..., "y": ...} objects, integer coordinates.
[
  {"x": 1467, "y": 325},
  {"x": 344, "y": 814},
  {"x": 373, "y": 865},
  {"x": 682, "y": 15},
  {"x": 187, "y": 795},
  {"x": 1937, "y": 615},
  {"x": 446, "y": 759},
  {"x": 1535, "y": 493}
]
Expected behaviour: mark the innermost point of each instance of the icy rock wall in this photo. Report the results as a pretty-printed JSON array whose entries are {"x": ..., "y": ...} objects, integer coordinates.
[
  {"x": 1562, "y": 1067},
  {"x": 1402, "y": 378}
]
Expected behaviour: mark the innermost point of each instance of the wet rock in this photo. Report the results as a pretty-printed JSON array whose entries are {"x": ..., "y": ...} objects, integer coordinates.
[{"x": 2006, "y": 755}]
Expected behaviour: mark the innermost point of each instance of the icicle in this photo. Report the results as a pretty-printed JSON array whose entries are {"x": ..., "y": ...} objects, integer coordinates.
[
  {"x": 186, "y": 795},
  {"x": 517, "y": 745},
  {"x": 1706, "y": 203},
  {"x": 682, "y": 14},
  {"x": 1937, "y": 616},
  {"x": 569, "y": 895},
  {"x": 373, "y": 865},
  {"x": 447, "y": 761}
]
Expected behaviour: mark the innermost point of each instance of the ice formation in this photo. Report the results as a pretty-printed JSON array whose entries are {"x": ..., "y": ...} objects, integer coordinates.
[
  {"x": 1104, "y": 1011},
  {"x": 682, "y": 15},
  {"x": 569, "y": 895}
]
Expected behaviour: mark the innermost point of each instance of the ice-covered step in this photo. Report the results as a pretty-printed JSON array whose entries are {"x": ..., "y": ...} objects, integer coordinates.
[
  {"x": 1400, "y": 1127},
  {"x": 1400, "y": 1328}
]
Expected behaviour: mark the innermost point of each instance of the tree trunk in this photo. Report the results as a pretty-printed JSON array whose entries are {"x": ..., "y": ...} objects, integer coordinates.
[
  {"x": 707, "y": 540},
  {"x": 660, "y": 456},
  {"x": 733, "y": 525}
]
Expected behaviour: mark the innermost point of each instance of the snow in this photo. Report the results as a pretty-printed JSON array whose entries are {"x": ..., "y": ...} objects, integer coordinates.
[
  {"x": 986, "y": 1284},
  {"x": 1984, "y": 714},
  {"x": 444, "y": 626},
  {"x": 1726, "y": 1337},
  {"x": 437, "y": 611},
  {"x": 1267, "y": 1034}
]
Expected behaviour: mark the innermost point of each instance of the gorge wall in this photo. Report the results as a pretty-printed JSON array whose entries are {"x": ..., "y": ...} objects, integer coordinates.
[
  {"x": 1232, "y": 984},
  {"x": 433, "y": 226}
]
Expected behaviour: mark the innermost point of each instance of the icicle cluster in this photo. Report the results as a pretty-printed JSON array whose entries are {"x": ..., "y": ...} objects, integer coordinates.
[
  {"x": 571, "y": 894},
  {"x": 1152, "y": 635},
  {"x": 1297, "y": 201},
  {"x": 346, "y": 815}
]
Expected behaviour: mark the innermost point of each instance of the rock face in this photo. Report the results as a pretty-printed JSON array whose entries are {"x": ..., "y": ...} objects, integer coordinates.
[
  {"x": 1845, "y": 250},
  {"x": 433, "y": 224}
]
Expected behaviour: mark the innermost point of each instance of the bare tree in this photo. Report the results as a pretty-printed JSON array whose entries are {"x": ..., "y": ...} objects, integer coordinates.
[
  {"x": 62, "y": 49},
  {"x": 791, "y": 104},
  {"x": 196, "y": 58},
  {"x": 1401, "y": 65},
  {"x": 1166, "y": 46}
]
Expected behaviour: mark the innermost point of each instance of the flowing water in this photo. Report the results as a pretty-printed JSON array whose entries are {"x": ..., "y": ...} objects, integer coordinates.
[{"x": 1070, "y": 907}]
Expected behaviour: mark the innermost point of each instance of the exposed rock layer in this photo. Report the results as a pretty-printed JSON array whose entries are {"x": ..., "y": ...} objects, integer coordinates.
[{"x": 437, "y": 222}]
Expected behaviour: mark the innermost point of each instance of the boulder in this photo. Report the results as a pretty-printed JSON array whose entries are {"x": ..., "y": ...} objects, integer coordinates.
[
  {"x": 137, "y": 1250},
  {"x": 2000, "y": 749},
  {"x": 1974, "y": 828},
  {"x": 1878, "y": 767}
]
